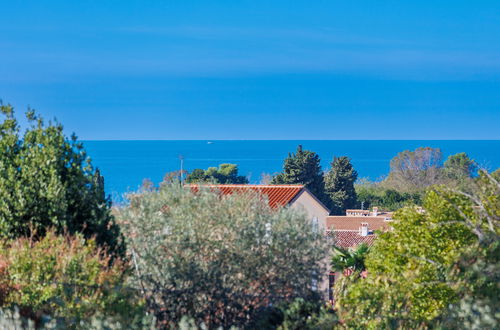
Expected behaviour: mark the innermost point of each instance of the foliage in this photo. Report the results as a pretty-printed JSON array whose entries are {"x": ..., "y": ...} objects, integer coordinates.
[
  {"x": 496, "y": 174},
  {"x": 224, "y": 174},
  {"x": 64, "y": 277},
  {"x": 11, "y": 318},
  {"x": 218, "y": 259},
  {"x": 339, "y": 185},
  {"x": 303, "y": 167},
  {"x": 459, "y": 170},
  {"x": 47, "y": 181},
  {"x": 445, "y": 256},
  {"x": 297, "y": 314},
  {"x": 415, "y": 170},
  {"x": 350, "y": 258},
  {"x": 459, "y": 166},
  {"x": 372, "y": 194},
  {"x": 302, "y": 314}
]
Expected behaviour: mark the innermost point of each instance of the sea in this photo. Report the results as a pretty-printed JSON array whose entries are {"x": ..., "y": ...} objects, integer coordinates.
[{"x": 125, "y": 164}]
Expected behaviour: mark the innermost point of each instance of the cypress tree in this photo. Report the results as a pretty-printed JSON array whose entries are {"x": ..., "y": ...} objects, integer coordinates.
[{"x": 339, "y": 185}]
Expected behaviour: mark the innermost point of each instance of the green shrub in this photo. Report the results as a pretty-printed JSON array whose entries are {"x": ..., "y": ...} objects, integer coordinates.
[{"x": 65, "y": 277}]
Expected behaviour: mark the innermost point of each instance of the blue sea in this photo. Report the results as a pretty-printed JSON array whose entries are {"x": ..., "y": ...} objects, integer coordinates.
[{"x": 125, "y": 164}]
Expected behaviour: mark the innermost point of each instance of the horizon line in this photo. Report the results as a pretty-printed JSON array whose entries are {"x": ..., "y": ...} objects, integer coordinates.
[{"x": 243, "y": 140}]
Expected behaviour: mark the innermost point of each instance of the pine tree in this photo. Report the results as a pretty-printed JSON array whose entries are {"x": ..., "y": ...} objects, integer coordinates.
[
  {"x": 339, "y": 185},
  {"x": 303, "y": 167}
]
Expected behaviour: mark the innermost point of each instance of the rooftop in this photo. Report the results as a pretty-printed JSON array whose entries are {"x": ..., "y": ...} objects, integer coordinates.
[
  {"x": 342, "y": 222},
  {"x": 350, "y": 238},
  {"x": 278, "y": 195}
]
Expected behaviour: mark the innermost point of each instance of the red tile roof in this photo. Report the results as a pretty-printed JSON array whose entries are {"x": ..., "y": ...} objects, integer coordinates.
[
  {"x": 350, "y": 238},
  {"x": 278, "y": 195},
  {"x": 353, "y": 223}
]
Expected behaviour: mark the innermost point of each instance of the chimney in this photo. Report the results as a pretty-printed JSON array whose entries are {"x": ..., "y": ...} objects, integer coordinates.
[
  {"x": 364, "y": 229},
  {"x": 375, "y": 211}
]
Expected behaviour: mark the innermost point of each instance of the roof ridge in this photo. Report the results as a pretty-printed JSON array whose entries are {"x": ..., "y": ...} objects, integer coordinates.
[{"x": 248, "y": 185}]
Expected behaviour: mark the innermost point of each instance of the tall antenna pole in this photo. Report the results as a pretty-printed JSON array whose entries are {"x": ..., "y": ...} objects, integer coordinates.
[{"x": 181, "y": 158}]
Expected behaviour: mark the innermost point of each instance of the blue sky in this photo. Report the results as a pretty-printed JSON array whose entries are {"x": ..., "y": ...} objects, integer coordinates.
[{"x": 256, "y": 69}]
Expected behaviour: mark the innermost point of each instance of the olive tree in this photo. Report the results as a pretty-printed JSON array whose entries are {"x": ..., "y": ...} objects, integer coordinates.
[{"x": 218, "y": 259}]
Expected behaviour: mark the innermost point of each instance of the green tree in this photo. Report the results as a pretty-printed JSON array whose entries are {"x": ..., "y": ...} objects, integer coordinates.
[
  {"x": 224, "y": 174},
  {"x": 218, "y": 260},
  {"x": 459, "y": 170},
  {"x": 47, "y": 180},
  {"x": 436, "y": 267},
  {"x": 303, "y": 167},
  {"x": 339, "y": 185}
]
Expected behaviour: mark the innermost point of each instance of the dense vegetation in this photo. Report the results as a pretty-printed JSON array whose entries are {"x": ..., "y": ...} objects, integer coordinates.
[
  {"x": 224, "y": 174},
  {"x": 303, "y": 167},
  {"x": 439, "y": 267},
  {"x": 339, "y": 185},
  {"x": 412, "y": 173},
  {"x": 66, "y": 277},
  {"x": 219, "y": 260},
  {"x": 47, "y": 181},
  {"x": 198, "y": 260}
]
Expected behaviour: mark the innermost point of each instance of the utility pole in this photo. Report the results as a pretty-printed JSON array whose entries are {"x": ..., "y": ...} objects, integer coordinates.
[{"x": 181, "y": 158}]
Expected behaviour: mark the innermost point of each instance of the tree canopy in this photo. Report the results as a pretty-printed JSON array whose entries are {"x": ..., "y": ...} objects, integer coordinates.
[
  {"x": 339, "y": 185},
  {"x": 224, "y": 174},
  {"x": 371, "y": 194},
  {"x": 459, "y": 170},
  {"x": 415, "y": 170},
  {"x": 303, "y": 167},
  {"x": 47, "y": 180},
  {"x": 218, "y": 260},
  {"x": 440, "y": 266}
]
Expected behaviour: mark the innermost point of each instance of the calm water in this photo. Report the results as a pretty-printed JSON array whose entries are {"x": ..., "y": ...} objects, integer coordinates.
[{"x": 125, "y": 164}]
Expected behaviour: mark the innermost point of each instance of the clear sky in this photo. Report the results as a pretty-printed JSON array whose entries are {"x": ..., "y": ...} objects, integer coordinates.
[{"x": 256, "y": 69}]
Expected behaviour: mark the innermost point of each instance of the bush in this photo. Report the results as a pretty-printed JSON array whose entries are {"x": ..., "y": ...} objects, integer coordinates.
[
  {"x": 218, "y": 259},
  {"x": 64, "y": 277}
]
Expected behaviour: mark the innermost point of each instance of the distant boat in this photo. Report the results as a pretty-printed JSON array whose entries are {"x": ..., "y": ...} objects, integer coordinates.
[{"x": 210, "y": 142}]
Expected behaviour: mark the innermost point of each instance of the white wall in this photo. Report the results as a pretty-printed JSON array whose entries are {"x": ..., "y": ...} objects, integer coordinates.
[
  {"x": 312, "y": 207},
  {"x": 315, "y": 209}
]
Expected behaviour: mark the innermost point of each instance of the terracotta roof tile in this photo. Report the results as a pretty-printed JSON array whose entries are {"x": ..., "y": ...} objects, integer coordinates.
[
  {"x": 350, "y": 238},
  {"x": 353, "y": 223},
  {"x": 278, "y": 195}
]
